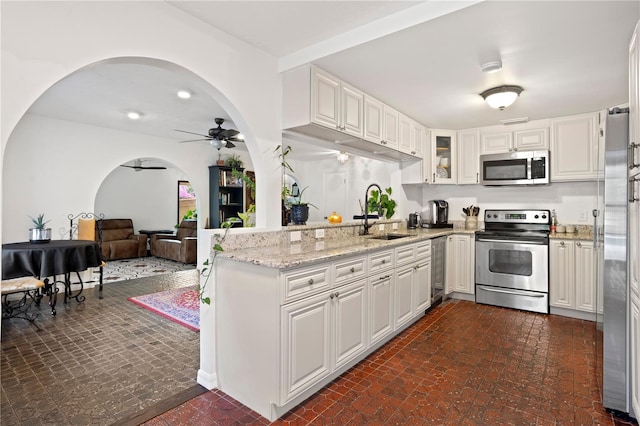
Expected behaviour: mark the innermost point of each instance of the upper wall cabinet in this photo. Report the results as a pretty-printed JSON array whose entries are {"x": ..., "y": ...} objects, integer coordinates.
[
  {"x": 468, "y": 157},
  {"x": 575, "y": 149},
  {"x": 336, "y": 104},
  {"x": 496, "y": 142},
  {"x": 411, "y": 136},
  {"x": 323, "y": 110},
  {"x": 444, "y": 162}
]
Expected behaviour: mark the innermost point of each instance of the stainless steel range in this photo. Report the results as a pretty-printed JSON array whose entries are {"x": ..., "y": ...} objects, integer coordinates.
[{"x": 512, "y": 259}]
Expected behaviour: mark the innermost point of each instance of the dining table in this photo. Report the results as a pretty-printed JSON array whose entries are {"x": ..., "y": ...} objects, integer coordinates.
[{"x": 49, "y": 260}]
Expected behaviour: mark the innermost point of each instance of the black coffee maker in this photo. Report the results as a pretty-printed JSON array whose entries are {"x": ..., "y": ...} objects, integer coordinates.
[{"x": 436, "y": 214}]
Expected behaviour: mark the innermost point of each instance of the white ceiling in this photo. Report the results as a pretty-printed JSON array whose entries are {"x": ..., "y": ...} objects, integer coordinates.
[{"x": 570, "y": 57}]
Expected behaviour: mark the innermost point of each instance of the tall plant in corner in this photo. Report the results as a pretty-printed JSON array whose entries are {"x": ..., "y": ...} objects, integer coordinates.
[
  {"x": 282, "y": 152},
  {"x": 208, "y": 267}
]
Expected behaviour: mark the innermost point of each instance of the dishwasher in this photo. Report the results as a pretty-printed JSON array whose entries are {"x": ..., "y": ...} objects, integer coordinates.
[{"x": 438, "y": 254}]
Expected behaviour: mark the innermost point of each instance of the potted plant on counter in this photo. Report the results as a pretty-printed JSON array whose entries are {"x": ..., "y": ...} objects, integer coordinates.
[
  {"x": 300, "y": 209},
  {"x": 39, "y": 234},
  {"x": 382, "y": 201}
]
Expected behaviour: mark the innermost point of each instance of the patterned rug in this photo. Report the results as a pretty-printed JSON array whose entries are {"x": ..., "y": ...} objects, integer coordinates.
[
  {"x": 180, "y": 305},
  {"x": 119, "y": 270}
]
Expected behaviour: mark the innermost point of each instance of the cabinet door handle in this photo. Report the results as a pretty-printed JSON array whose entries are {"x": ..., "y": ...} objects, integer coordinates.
[
  {"x": 477, "y": 177},
  {"x": 413, "y": 153},
  {"x": 562, "y": 243},
  {"x": 353, "y": 269},
  {"x": 515, "y": 149},
  {"x": 434, "y": 177},
  {"x": 336, "y": 294},
  {"x": 578, "y": 244},
  {"x": 310, "y": 281},
  {"x": 384, "y": 278},
  {"x": 331, "y": 296},
  {"x": 384, "y": 261}
]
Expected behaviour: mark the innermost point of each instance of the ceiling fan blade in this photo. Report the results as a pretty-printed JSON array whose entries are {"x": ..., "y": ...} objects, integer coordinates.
[
  {"x": 195, "y": 140},
  {"x": 228, "y": 133},
  {"x": 229, "y": 144},
  {"x": 184, "y": 131},
  {"x": 234, "y": 139},
  {"x": 154, "y": 168},
  {"x": 131, "y": 167}
]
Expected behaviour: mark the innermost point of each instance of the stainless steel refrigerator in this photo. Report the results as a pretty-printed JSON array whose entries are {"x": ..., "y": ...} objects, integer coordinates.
[{"x": 613, "y": 317}]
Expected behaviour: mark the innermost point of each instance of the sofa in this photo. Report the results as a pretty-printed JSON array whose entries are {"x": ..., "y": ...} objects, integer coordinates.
[
  {"x": 119, "y": 240},
  {"x": 181, "y": 247}
]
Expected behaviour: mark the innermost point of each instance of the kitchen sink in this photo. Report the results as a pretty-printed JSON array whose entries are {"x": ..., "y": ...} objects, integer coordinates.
[{"x": 389, "y": 236}]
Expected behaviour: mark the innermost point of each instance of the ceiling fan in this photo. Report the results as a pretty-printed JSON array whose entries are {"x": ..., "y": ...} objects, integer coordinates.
[
  {"x": 217, "y": 137},
  {"x": 137, "y": 166}
]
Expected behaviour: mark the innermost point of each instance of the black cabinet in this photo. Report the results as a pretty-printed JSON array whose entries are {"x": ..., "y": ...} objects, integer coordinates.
[{"x": 226, "y": 196}]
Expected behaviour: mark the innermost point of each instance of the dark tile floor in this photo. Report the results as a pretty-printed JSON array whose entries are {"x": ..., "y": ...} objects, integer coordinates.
[
  {"x": 96, "y": 362},
  {"x": 463, "y": 364}
]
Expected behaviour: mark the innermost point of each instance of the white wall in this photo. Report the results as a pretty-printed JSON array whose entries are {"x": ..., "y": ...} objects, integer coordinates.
[{"x": 573, "y": 201}]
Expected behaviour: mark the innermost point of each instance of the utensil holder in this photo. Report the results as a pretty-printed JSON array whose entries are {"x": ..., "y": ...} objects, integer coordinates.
[{"x": 471, "y": 222}]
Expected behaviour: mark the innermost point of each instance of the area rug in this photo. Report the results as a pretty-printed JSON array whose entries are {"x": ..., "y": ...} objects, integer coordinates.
[
  {"x": 180, "y": 305},
  {"x": 127, "y": 269}
]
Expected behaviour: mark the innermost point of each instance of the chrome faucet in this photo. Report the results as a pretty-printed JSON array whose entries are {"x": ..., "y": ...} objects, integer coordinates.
[{"x": 366, "y": 208}]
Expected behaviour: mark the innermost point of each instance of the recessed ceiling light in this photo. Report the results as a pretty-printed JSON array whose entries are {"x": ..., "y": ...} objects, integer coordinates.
[
  {"x": 184, "y": 94},
  {"x": 133, "y": 115},
  {"x": 492, "y": 66}
]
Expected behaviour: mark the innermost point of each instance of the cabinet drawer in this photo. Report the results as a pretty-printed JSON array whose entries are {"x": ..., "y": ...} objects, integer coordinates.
[
  {"x": 405, "y": 254},
  {"x": 304, "y": 282},
  {"x": 423, "y": 250},
  {"x": 349, "y": 269},
  {"x": 380, "y": 261}
]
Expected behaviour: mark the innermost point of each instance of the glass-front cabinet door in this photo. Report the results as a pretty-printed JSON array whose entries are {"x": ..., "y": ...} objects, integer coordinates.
[{"x": 443, "y": 156}]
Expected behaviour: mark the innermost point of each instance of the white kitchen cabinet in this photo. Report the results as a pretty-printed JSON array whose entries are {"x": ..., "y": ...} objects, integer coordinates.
[
  {"x": 410, "y": 137},
  {"x": 380, "y": 306},
  {"x": 585, "y": 279},
  {"x": 422, "y": 278},
  {"x": 418, "y": 172},
  {"x": 403, "y": 295},
  {"x": 336, "y": 104},
  {"x": 350, "y": 313},
  {"x": 497, "y": 142},
  {"x": 468, "y": 156},
  {"x": 443, "y": 157},
  {"x": 460, "y": 264},
  {"x": 562, "y": 274},
  {"x": 575, "y": 148},
  {"x": 306, "y": 344},
  {"x": 572, "y": 282},
  {"x": 634, "y": 190},
  {"x": 381, "y": 123}
]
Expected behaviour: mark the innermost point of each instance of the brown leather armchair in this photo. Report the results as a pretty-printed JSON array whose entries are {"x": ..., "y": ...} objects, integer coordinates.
[
  {"x": 182, "y": 247},
  {"x": 119, "y": 240}
]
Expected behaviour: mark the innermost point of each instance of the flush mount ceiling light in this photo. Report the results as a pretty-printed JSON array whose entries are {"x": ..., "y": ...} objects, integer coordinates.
[
  {"x": 492, "y": 66},
  {"x": 133, "y": 115},
  {"x": 343, "y": 157},
  {"x": 183, "y": 94},
  {"x": 501, "y": 97}
]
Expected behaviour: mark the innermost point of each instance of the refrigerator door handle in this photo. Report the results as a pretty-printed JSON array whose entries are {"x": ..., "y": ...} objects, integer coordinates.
[
  {"x": 632, "y": 194},
  {"x": 631, "y": 158}
]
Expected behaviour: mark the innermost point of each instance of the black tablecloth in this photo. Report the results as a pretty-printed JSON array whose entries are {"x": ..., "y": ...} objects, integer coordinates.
[{"x": 56, "y": 257}]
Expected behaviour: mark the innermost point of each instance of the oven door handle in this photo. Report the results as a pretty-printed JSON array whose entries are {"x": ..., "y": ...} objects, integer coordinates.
[
  {"x": 489, "y": 240},
  {"x": 519, "y": 293}
]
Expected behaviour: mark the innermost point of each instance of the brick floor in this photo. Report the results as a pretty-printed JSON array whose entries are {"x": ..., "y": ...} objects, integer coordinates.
[
  {"x": 96, "y": 362},
  {"x": 462, "y": 364}
]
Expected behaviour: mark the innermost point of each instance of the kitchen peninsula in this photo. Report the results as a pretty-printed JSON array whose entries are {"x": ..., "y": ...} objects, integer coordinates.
[{"x": 292, "y": 316}]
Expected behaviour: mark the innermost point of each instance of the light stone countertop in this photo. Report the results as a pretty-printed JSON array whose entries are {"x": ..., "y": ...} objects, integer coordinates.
[
  {"x": 290, "y": 255},
  {"x": 580, "y": 235}
]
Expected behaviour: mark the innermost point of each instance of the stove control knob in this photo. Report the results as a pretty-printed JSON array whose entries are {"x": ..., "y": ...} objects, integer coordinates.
[
  {"x": 544, "y": 216},
  {"x": 536, "y": 216},
  {"x": 495, "y": 216}
]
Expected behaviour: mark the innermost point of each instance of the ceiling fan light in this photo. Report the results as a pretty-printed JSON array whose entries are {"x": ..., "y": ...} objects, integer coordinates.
[
  {"x": 240, "y": 136},
  {"x": 184, "y": 94},
  {"x": 133, "y": 115},
  {"x": 216, "y": 143},
  {"x": 501, "y": 97}
]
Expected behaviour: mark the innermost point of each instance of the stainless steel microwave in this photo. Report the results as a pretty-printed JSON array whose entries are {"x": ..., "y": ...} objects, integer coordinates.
[{"x": 515, "y": 168}]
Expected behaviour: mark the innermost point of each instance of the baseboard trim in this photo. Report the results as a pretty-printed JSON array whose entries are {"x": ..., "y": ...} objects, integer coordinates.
[
  {"x": 209, "y": 381},
  {"x": 162, "y": 406}
]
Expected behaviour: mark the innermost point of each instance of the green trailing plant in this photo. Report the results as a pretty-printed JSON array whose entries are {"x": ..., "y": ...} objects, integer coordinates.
[
  {"x": 207, "y": 267},
  {"x": 245, "y": 216},
  {"x": 248, "y": 182},
  {"x": 39, "y": 222},
  {"x": 383, "y": 201},
  {"x": 189, "y": 215}
]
